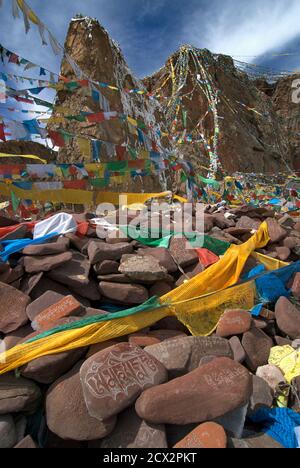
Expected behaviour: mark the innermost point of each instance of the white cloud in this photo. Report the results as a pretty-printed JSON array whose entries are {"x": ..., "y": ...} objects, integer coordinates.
[{"x": 245, "y": 28}]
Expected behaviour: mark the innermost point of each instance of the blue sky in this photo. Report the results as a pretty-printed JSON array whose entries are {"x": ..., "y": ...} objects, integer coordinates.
[{"x": 149, "y": 30}]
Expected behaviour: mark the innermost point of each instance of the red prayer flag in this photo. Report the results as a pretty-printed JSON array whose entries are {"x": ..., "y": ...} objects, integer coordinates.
[
  {"x": 98, "y": 117},
  {"x": 57, "y": 138},
  {"x": 2, "y": 135}
]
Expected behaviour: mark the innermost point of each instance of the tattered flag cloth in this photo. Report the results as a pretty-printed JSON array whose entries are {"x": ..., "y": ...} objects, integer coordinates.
[
  {"x": 281, "y": 424},
  {"x": 2, "y": 134}
]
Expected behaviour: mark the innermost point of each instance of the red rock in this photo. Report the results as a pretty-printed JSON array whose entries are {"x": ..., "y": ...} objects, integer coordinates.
[
  {"x": 47, "y": 369},
  {"x": 190, "y": 272},
  {"x": 239, "y": 354},
  {"x": 95, "y": 348},
  {"x": 283, "y": 253},
  {"x": 288, "y": 318},
  {"x": 66, "y": 412},
  {"x": 182, "y": 252},
  {"x": 234, "y": 322},
  {"x": 51, "y": 248},
  {"x": 12, "y": 308},
  {"x": 290, "y": 242},
  {"x": 153, "y": 337},
  {"x": 26, "y": 443},
  {"x": 262, "y": 395},
  {"x": 113, "y": 378},
  {"x": 107, "y": 267},
  {"x": 297, "y": 227},
  {"x": 18, "y": 394},
  {"x": 13, "y": 338},
  {"x": 296, "y": 286},
  {"x": 248, "y": 223},
  {"x": 276, "y": 232},
  {"x": 162, "y": 255},
  {"x": 184, "y": 354},
  {"x": 74, "y": 273},
  {"x": 64, "y": 308},
  {"x": 131, "y": 294},
  {"x": 208, "y": 392},
  {"x": 43, "y": 302},
  {"x": 222, "y": 222},
  {"x": 132, "y": 432},
  {"x": 100, "y": 251},
  {"x": 45, "y": 263},
  {"x": 257, "y": 346},
  {"x": 159, "y": 289},
  {"x": 142, "y": 268},
  {"x": 208, "y": 435},
  {"x": 280, "y": 341}
]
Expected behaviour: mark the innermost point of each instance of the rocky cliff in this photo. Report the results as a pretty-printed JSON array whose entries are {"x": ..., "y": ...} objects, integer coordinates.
[
  {"x": 219, "y": 115},
  {"x": 200, "y": 109},
  {"x": 100, "y": 59}
]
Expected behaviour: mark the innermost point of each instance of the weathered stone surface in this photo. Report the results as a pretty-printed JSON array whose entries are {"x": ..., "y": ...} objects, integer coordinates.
[
  {"x": 296, "y": 286},
  {"x": 190, "y": 272},
  {"x": 51, "y": 248},
  {"x": 234, "y": 322},
  {"x": 288, "y": 318},
  {"x": 257, "y": 346},
  {"x": 107, "y": 267},
  {"x": 153, "y": 337},
  {"x": 248, "y": 223},
  {"x": 272, "y": 375},
  {"x": 18, "y": 394},
  {"x": 43, "y": 302},
  {"x": 182, "y": 252},
  {"x": 26, "y": 443},
  {"x": 67, "y": 414},
  {"x": 234, "y": 421},
  {"x": 276, "y": 232},
  {"x": 160, "y": 289},
  {"x": 113, "y": 378},
  {"x": 12, "y": 339},
  {"x": 208, "y": 392},
  {"x": 208, "y": 435},
  {"x": 98, "y": 251},
  {"x": 12, "y": 308},
  {"x": 66, "y": 307},
  {"x": 132, "y": 432},
  {"x": 142, "y": 268},
  {"x": 280, "y": 341},
  {"x": 8, "y": 435},
  {"x": 262, "y": 395},
  {"x": 239, "y": 354},
  {"x": 74, "y": 273},
  {"x": 162, "y": 255},
  {"x": 115, "y": 278},
  {"x": 182, "y": 355},
  {"x": 283, "y": 253},
  {"x": 46, "y": 262},
  {"x": 262, "y": 441},
  {"x": 47, "y": 369},
  {"x": 130, "y": 294}
]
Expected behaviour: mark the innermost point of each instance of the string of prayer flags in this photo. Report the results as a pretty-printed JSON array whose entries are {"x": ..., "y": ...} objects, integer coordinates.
[{"x": 96, "y": 149}]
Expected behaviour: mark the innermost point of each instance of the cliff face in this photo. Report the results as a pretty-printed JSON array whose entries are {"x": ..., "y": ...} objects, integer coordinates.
[
  {"x": 101, "y": 60},
  {"x": 218, "y": 104},
  {"x": 200, "y": 109},
  {"x": 289, "y": 114}
]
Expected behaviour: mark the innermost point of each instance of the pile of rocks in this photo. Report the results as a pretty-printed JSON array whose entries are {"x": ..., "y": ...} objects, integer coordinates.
[{"x": 159, "y": 387}]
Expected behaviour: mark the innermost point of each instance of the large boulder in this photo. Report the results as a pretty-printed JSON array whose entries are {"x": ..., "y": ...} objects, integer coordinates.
[
  {"x": 184, "y": 354},
  {"x": 113, "y": 378},
  {"x": 12, "y": 308},
  {"x": 18, "y": 394},
  {"x": 208, "y": 392},
  {"x": 66, "y": 412},
  {"x": 288, "y": 318}
]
